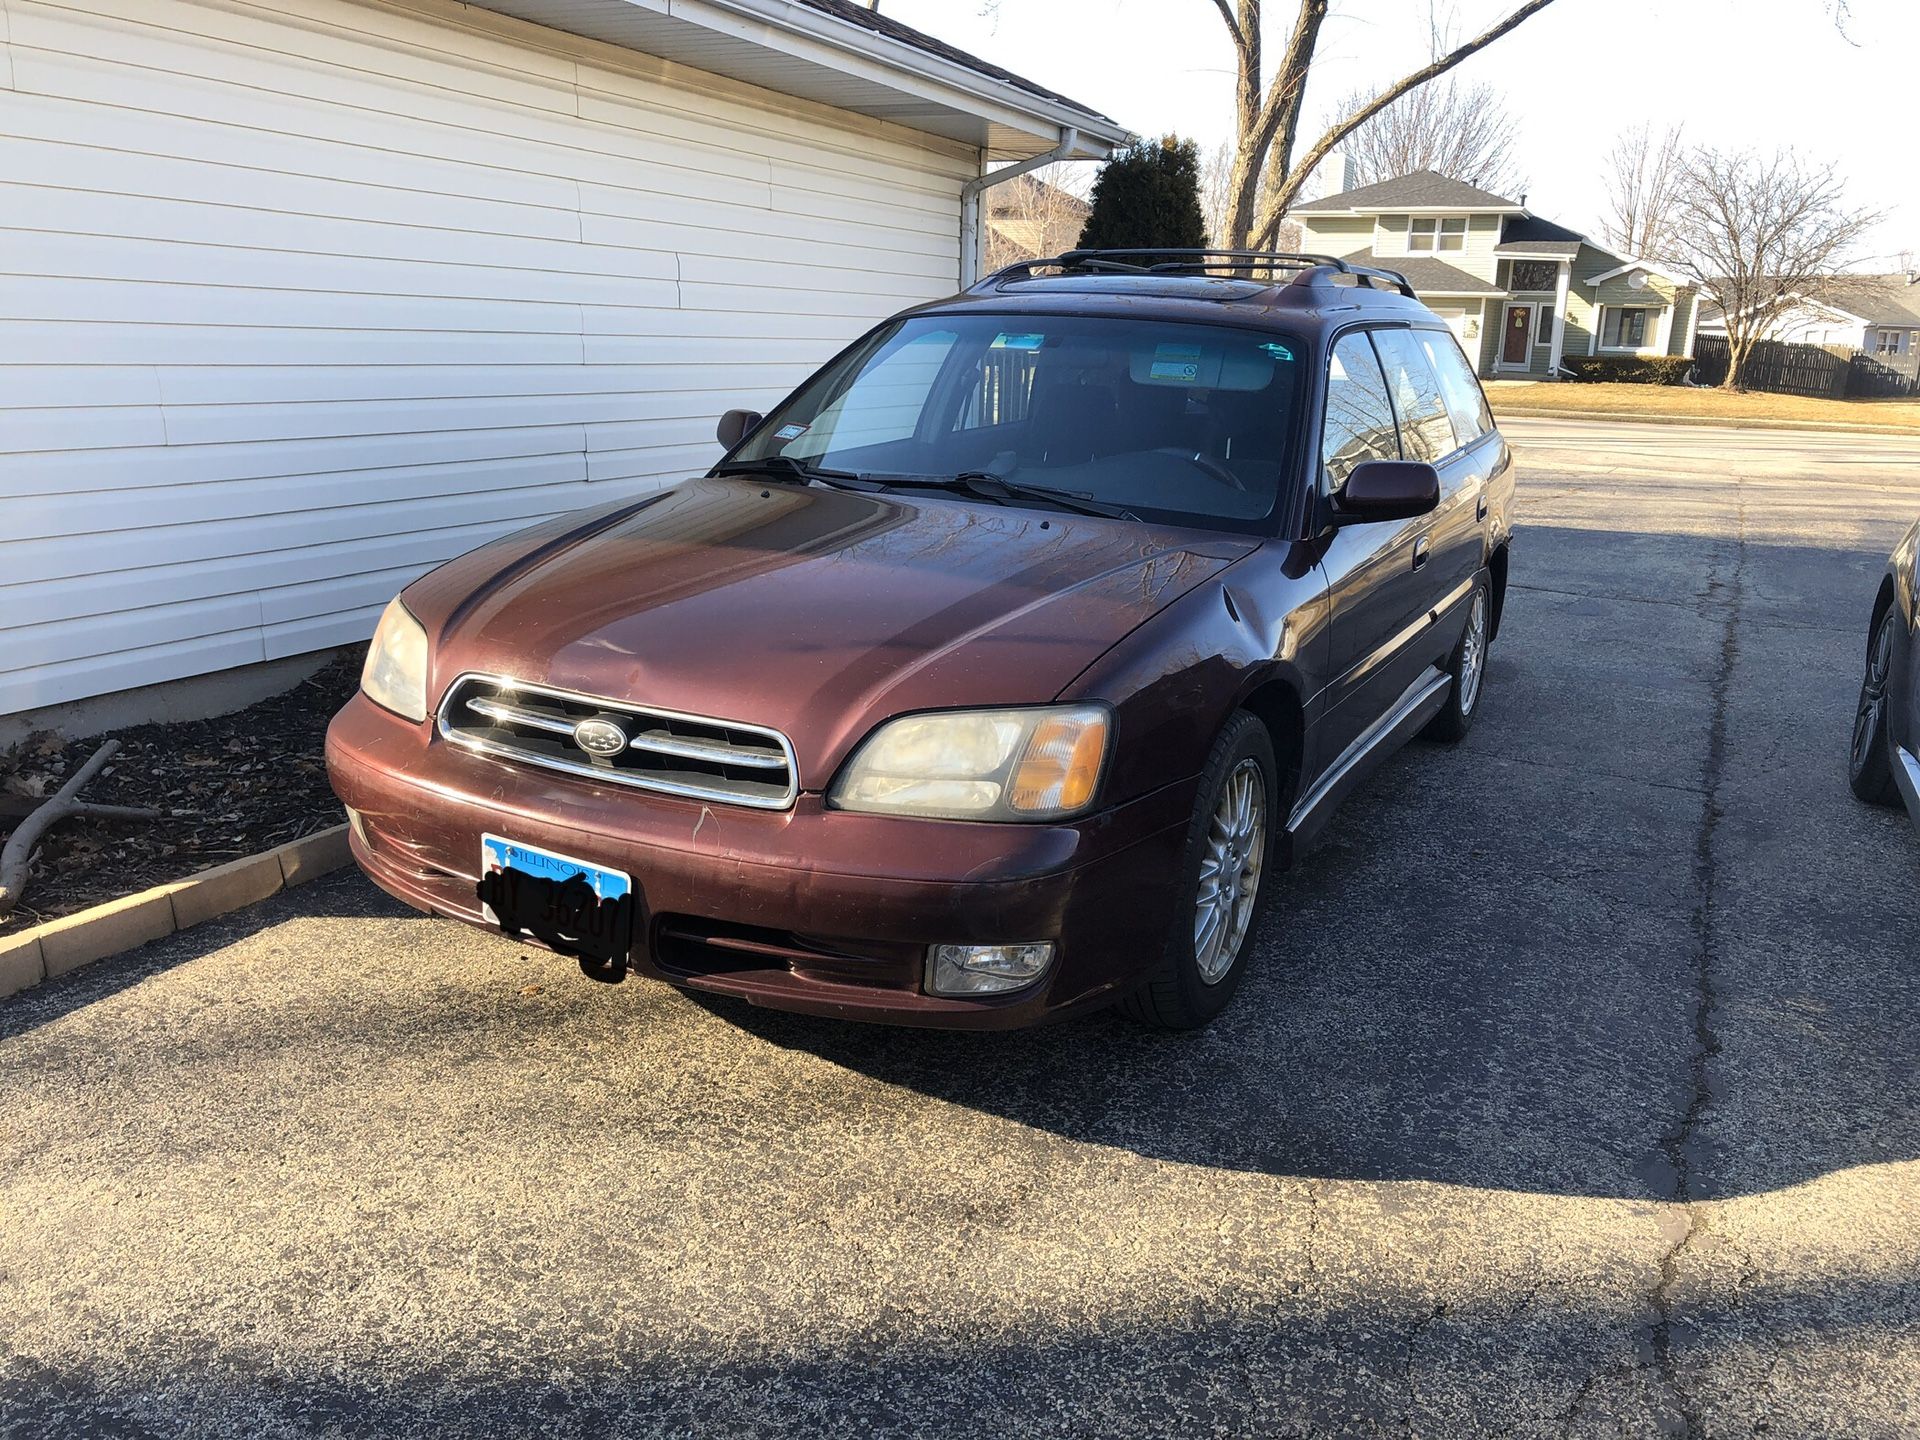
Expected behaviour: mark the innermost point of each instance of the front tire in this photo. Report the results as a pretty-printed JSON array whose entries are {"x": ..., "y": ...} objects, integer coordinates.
[
  {"x": 1468, "y": 669},
  {"x": 1225, "y": 883},
  {"x": 1870, "y": 760}
]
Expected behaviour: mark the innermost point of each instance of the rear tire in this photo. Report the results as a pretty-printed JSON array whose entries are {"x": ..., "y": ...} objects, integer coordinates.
[
  {"x": 1468, "y": 669},
  {"x": 1870, "y": 761},
  {"x": 1225, "y": 883}
]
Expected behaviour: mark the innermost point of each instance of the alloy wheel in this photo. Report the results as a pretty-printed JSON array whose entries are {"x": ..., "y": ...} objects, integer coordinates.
[
  {"x": 1867, "y": 721},
  {"x": 1473, "y": 653},
  {"x": 1231, "y": 867}
]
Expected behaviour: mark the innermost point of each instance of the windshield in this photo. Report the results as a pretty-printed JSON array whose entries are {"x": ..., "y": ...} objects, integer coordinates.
[{"x": 1181, "y": 422}]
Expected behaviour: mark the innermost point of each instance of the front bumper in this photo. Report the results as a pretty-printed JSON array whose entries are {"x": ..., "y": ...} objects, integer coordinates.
[{"x": 810, "y": 909}]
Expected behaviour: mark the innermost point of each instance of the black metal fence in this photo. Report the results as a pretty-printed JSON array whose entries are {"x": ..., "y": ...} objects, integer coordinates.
[{"x": 1827, "y": 372}]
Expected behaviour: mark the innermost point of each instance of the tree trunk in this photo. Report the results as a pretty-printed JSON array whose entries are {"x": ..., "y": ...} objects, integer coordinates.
[{"x": 1737, "y": 353}]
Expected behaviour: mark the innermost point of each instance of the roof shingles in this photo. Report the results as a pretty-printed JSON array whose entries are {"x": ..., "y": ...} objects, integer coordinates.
[
  {"x": 886, "y": 25},
  {"x": 1427, "y": 275},
  {"x": 1422, "y": 190}
]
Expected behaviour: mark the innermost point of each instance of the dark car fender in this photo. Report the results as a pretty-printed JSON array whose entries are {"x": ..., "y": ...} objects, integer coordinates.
[
  {"x": 1252, "y": 637},
  {"x": 1900, "y": 592}
]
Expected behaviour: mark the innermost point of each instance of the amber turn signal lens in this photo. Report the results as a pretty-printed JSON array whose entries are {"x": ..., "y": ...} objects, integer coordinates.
[{"x": 1061, "y": 764}]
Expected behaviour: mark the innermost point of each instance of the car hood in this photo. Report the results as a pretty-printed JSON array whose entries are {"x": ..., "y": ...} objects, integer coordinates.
[{"x": 818, "y": 612}]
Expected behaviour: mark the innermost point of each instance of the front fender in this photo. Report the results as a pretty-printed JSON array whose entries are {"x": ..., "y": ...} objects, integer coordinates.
[{"x": 1173, "y": 681}]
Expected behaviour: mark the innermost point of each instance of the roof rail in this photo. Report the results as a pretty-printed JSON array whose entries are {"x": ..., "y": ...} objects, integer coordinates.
[{"x": 1183, "y": 261}]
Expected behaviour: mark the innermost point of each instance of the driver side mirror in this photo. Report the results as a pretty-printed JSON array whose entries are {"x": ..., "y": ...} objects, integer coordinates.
[
  {"x": 1387, "y": 490},
  {"x": 735, "y": 426}
]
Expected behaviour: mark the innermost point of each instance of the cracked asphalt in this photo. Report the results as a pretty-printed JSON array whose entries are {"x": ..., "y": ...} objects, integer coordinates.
[{"x": 1575, "y": 1092}]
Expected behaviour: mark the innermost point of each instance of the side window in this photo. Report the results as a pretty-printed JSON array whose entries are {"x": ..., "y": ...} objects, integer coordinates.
[
  {"x": 1359, "y": 423},
  {"x": 1425, "y": 430},
  {"x": 884, "y": 403},
  {"x": 1466, "y": 405}
]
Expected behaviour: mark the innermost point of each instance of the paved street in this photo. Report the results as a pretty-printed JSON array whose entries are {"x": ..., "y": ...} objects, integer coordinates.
[{"x": 1576, "y": 1091}]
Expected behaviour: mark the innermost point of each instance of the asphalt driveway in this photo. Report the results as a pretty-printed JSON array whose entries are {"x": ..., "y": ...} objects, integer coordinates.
[{"x": 1576, "y": 1092}]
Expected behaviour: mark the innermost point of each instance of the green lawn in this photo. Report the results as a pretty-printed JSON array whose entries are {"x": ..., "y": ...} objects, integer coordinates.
[{"x": 1681, "y": 403}]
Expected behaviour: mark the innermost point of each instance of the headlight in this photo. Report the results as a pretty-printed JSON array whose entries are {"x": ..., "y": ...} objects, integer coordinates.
[
  {"x": 396, "y": 671},
  {"x": 1037, "y": 764}
]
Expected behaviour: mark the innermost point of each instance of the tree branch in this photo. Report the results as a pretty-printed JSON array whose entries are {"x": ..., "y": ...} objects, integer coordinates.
[
  {"x": 1233, "y": 25},
  {"x": 1282, "y": 194},
  {"x": 19, "y": 848}
]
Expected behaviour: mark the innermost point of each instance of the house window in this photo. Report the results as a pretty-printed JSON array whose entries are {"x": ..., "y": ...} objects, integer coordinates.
[
  {"x": 1543, "y": 325},
  {"x": 1429, "y": 234},
  {"x": 1534, "y": 275},
  {"x": 1890, "y": 342},
  {"x": 1625, "y": 329}
]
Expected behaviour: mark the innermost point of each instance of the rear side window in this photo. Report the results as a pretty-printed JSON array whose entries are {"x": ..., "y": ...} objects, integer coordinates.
[
  {"x": 1359, "y": 421},
  {"x": 1465, "y": 404},
  {"x": 1425, "y": 429}
]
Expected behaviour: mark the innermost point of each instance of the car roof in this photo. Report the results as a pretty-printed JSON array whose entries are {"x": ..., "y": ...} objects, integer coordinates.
[{"x": 1262, "y": 290}]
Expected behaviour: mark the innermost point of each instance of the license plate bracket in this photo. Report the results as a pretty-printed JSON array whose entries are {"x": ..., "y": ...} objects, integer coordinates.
[{"x": 571, "y": 906}]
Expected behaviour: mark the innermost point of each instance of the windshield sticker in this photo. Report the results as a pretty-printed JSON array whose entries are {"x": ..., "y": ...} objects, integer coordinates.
[
  {"x": 1176, "y": 363},
  {"x": 1278, "y": 352},
  {"x": 789, "y": 432},
  {"x": 1004, "y": 341}
]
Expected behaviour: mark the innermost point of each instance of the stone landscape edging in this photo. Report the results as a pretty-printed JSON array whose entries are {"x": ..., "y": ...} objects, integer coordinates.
[{"x": 56, "y": 947}]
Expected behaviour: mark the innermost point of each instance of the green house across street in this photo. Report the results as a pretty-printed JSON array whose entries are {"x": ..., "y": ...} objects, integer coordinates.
[{"x": 1522, "y": 294}]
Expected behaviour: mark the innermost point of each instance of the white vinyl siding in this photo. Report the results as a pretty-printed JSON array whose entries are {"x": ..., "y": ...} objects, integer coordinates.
[
  {"x": 1391, "y": 233},
  {"x": 296, "y": 305}
]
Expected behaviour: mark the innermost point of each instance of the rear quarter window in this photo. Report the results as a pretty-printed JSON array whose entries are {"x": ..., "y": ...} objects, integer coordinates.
[
  {"x": 1466, "y": 403},
  {"x": 1426, "y": 429}
]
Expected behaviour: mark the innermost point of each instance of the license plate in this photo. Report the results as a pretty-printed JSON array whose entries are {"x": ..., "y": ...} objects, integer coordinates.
[{"x": 572, "y": 906}]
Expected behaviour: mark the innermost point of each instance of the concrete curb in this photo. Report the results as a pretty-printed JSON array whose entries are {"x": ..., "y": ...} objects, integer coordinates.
[
  {"x": 38, "y": 954},
  {"x": 1723, "y": 422}
]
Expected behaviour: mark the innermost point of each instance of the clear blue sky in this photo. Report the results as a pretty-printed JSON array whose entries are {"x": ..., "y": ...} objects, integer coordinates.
[{"x": 1738, "y": 72}]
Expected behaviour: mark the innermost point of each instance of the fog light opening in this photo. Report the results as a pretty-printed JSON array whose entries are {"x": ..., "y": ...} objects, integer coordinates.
[{"x": 986, "y": 969}]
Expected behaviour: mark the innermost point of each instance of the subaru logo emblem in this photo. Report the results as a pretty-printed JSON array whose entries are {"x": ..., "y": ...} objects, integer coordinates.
[{"x": 599, "y": 737}]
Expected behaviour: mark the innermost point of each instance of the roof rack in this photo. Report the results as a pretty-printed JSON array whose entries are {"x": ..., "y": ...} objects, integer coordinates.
[{"x": 1311, "y": 268}]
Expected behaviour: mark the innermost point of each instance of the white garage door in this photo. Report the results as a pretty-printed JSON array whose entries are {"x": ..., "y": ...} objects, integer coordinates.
[{"x": 293, "y": 307}]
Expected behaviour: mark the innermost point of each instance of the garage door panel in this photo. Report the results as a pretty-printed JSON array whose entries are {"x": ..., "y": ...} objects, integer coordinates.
[
  {"x": 54, "y": 119},
  {"x": 57, "y": 298},
  {"x": 172, "y": 262},
  {"x": 136, "y": 343}
]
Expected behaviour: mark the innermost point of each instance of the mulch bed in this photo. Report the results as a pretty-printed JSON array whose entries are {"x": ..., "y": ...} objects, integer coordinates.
[{"x": 227, "y": 787}]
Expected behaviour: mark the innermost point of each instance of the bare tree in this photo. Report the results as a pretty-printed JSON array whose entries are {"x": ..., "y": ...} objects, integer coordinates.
[
  {"x": 1465, "y": 132},
  {"x": 1216, "y": 177},
  {"x": 1267, "y": 112},
  {"x": 1644, "y": 175},
  {"x": 1758, "y": 233},
  {"x": 1035, "y": 215}
]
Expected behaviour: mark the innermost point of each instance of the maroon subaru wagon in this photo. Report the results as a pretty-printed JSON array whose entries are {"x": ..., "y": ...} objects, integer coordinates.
[{"x": 991, "y": 677}]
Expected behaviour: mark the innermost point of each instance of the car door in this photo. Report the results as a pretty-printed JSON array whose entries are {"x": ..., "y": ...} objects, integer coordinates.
[
  {"x": 1430, "y": 431},
  {"x": 1374, "y": 586}
]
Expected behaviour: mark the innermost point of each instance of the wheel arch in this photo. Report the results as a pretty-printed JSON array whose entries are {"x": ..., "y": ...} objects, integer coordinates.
[
  {"x": 1497, "y": 569},
  {"x": 1882, "y": 603},
  {"x": 1275, "y": 703}
]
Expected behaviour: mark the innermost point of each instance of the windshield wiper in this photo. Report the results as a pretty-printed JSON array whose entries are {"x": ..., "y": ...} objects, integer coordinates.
[
  {"x": 989, "y": 486},
  {"x": 785, "y": 467}
]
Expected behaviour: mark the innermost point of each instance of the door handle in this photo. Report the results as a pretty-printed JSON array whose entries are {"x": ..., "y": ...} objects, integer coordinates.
[
  {"x": 1480, "y": 509},
  {"x": 1422, "y": 548}
]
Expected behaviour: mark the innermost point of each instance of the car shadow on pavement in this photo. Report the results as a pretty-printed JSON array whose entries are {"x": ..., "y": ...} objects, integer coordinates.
[
  {"x": 1520, "y": 963},
  {"x": 1616, "y": 935}
]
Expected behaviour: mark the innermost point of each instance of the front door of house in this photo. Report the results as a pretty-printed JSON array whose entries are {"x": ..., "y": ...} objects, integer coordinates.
[{"x": 1515, "y": 336}]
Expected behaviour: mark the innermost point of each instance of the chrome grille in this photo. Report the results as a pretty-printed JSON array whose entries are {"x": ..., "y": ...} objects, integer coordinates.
[{"x": 693, "y": 756}]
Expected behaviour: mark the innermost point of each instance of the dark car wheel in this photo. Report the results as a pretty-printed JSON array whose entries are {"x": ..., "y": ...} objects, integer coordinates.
[
  {"x": 1468, "y": 670},
  {"x": 1224, "y": 883},
  {"x": 1870, "y": 762}
]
